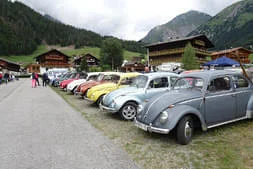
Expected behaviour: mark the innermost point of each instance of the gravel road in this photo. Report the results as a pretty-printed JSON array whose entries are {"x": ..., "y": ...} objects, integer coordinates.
[{"x": 39, "y": 130}]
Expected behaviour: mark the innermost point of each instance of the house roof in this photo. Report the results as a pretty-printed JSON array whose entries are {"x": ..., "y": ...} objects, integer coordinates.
[
  {"x": 209, "y": 44},
  {"x": 88, "y": 54},
  {"x": 231, "y": 50},
  {"x": 5, "y": 60},
  {"x": 53, "y": 50}
]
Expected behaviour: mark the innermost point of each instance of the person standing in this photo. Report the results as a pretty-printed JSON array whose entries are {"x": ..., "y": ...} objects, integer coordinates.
[
  {"x": 37, "y": 78},
  {"x": 33, "y": 80},
  {"x": 6, "y": 77},
  {"x": 44, "y": 79},
  {"x": 1, "y": 76}
]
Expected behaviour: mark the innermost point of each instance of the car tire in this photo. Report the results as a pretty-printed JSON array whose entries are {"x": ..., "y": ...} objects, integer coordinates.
[
  {"x": 73, "y": 90},
  {"x": 99, "y": 100},
  {"x": 128, "y": 111},
  {"x": 184, "y": 130}
]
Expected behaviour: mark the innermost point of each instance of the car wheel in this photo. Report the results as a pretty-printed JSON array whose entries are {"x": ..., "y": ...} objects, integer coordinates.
[
  {"x": 128, "y": 111},
  {"x": 73, "y": 90},
  {"x": 99, "y": 100},
  {"x": 185, "y": 130}
]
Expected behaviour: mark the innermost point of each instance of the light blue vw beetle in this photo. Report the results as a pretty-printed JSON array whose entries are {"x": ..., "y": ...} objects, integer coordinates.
[
  {"x": 202, "y": 99},
  {"x": 125, "y": 100}
]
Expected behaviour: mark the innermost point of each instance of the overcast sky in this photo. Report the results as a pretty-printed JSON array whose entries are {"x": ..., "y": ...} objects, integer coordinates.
[{"x": 125, "y": 19}]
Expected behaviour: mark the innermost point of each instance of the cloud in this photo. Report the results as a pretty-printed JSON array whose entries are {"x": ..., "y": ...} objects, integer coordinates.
[{"x": 126, "y": 19}]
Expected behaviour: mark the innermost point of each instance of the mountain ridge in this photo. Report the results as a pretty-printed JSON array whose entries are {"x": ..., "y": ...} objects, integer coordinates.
[
  {"x": 232, "y": 27},
  {"x": 178, "y": 27}
]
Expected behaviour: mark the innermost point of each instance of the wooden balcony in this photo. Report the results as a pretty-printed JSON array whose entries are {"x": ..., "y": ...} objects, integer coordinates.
[{"x": 177, "y": 51}]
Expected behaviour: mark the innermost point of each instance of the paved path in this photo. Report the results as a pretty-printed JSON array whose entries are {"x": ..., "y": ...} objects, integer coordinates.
[{"x": 39, "y": 130}]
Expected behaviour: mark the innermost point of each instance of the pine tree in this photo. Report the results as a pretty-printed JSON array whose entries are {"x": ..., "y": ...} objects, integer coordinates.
[
  {"x": 111, "y": 53},
  {"x": 189, "y": 58}
]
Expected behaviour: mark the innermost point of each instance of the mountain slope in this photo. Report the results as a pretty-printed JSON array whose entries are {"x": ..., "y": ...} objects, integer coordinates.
[
  {"x": 232, "y": 27},
  {"x": 52, "y": 18},
  {"x": 22, "y": 30},
  {"x": 180, "y": 26}
]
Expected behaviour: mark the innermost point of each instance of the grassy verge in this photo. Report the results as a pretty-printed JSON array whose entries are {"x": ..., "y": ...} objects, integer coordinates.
[
  {"x": 226, "y": 147},
  {"x": 26, "y": 59}
]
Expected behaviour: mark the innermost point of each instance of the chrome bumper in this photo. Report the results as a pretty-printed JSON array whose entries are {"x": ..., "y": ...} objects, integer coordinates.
[
  {"x": 88, "y": 99},
  {"x": 150, "y": 128},
  {"x": 79, "y": 93},
  {"x": 69, "y": 89},
  {"x": 108, "y": 109}
]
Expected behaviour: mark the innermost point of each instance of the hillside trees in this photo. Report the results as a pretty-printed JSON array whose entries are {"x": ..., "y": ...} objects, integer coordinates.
[
  {"x": 111, "y": 53},
  {"x": 22, "y": 30}
]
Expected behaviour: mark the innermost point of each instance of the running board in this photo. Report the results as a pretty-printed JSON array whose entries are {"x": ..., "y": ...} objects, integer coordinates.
[{"x": 227, "y": 122}]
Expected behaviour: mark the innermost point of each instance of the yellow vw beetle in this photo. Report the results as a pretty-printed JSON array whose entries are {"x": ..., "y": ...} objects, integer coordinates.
[{"x": 96, "y": 93}]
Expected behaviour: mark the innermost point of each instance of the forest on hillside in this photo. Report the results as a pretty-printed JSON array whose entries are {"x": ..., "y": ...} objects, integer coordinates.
[{"x": 22, "y": 30}]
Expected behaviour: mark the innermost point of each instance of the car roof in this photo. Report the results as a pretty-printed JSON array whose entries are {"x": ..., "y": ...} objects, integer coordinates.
[
  {"x": 92, "y": 73},
  {"x": 111, "y": 73},
  {"x": 129, "y": 74},
  {"x": 159, "y": 74},
  {"x": 209, "y": 73}
]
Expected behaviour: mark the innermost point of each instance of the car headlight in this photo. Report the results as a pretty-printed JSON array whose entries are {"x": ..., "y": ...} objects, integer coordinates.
[
  {"x": 113, "y": 103},
  {"x": 139, "y": 108},
  {"x": 164, "y": 117}
]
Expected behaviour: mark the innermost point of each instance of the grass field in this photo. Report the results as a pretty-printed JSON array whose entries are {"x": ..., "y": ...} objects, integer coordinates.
[
  {"x": 225, "y": 147},
  {"x": 70, "y": 51},
  {"x": 26, "y": 59}
]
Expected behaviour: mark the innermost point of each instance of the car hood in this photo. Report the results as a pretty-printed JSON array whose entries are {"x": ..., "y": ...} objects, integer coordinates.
[
  {"x": 161, "y": 102},
  {"x": 67, "y": 81},
  {"x": 121, "y": 92},
  {"x": 101, "y": 87},
  {"x": 79, "y": 81},
  {"x": 90, "y": 84}
]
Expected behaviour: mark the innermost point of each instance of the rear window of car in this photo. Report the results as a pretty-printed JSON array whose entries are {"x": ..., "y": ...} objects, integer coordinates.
[{"x": 239, "y": 81}]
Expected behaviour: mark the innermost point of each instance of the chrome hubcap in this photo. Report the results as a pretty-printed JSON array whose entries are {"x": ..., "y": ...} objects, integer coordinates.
[
  {"x": 188, "y": 129},
  {"x": 129, "y": 112}
]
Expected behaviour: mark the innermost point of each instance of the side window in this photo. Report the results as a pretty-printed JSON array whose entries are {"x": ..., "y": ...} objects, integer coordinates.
[
  {"x": 239, "y": 81},
  {"x": 92, "y": 77},
  {"x": 159, "y": 83},
  {"x": 115, "y": 78},
  {"x": 172, "y": 80},
  {"x": 219, "y": 84},
  {"x": 127, "y": 81}
]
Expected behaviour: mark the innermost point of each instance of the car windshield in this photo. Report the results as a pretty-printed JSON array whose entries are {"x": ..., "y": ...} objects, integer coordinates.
[
  {"x": 139, "y": 81},
  {"x": 111, "y": 78},
  {"x": 189, "y": 83},
  {"x": 100, "y": 77}
]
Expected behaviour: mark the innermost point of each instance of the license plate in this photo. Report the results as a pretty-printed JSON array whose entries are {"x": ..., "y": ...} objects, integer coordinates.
[{"x": 141, "y": 126}]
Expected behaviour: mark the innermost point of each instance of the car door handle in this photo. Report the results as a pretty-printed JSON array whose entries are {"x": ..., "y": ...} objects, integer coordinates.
[{"x": 233, "y": 95}]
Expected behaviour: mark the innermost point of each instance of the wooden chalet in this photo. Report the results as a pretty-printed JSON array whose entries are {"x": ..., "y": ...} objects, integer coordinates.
[
  {"x": 90, "y": 59},
  {"x": 6, "y": 65},
  {"x": 238, "y": 54},
  {"x": 53, "y": 59},
  {"x": 134, "y": 65},
  {"x": 172, "y": 51},
  {"x": 33, "y": 67}
]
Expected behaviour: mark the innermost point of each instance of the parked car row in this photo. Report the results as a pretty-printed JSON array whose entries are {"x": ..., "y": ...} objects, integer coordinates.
[{"x": 162, "y": 102}]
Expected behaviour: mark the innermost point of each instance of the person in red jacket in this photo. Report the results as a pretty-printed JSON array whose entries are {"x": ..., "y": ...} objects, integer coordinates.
[
  {"x": 37, "y": 78},
  {"x": 1, "y": 76}
]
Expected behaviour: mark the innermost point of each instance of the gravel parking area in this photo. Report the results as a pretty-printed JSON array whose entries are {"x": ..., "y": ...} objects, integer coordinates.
[{"x": 39, "y": 130}]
